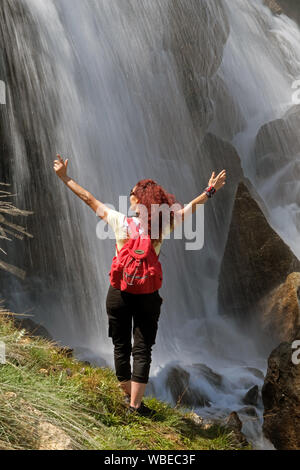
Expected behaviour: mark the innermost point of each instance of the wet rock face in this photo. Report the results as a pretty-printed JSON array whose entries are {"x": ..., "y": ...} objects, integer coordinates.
[
  {"x": 288, "y": 7},
  {"x": 281, "y": 398},
  {"x": 251, "y": 397},
  {"x": 210, "y": 376},
  {"x": 199, "y": 31},
  {"x": 221, "y": 154},
  {"x": 277, "y": 152},
  {"x": 274, "y": 6},
  {"x": 217, "y": 153},
  {"x": 197, "y": 34},
  {"x": 228, "y": 119},
  {"x": 277, "y": 141},
  {"x": 256, "y": 260}
]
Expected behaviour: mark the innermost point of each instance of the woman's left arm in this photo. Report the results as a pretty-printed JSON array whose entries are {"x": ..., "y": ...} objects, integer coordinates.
[{"x": 216, "y": 182}]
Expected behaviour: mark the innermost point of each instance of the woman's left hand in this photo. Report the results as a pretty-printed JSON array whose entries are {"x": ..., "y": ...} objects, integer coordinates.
[{"x": 217, "y": 181}]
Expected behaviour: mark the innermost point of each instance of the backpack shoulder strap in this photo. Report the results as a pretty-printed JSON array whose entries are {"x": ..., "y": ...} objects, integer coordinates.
[{"x": 134, "y": 229}]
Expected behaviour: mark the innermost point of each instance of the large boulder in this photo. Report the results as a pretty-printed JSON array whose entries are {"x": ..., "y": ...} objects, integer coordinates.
[
  {"x": 178, "y": 382},
  {"x": 255, "y": 261},
  {"x": 281, "y": 398},
  {"x": 280, "y": 310},
  {"x": 184, "y": 385}
]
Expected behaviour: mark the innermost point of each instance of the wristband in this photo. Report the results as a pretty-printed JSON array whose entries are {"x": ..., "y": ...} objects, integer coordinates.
[{"x": 210, "y": 191}]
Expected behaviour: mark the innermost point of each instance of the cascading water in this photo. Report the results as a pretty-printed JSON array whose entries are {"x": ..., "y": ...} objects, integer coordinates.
[
  {"x": 261, "y": 64},
  {"x": 107, "y": 90}
]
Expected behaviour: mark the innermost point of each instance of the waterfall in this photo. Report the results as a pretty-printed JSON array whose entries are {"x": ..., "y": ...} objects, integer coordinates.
[
  {"x": 108, "y": 86},
  {"x": 261, "y": 64}
]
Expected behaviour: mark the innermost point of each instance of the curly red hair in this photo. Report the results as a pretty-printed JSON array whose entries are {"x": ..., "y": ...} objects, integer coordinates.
[{"x": 150, "y": 193}]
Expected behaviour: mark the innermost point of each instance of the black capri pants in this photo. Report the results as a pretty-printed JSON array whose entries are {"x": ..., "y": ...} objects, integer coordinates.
[{"x": 138, "y": 314}]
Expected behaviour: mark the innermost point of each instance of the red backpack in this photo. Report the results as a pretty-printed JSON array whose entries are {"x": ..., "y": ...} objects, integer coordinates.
[{"x": 136, "y": 268}]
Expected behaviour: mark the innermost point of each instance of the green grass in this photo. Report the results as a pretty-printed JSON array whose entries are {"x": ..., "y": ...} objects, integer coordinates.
[{"x": 40, "y": 383}]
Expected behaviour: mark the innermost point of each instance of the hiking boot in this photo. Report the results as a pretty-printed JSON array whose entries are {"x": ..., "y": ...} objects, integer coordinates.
[{"x": 143, "y": 410}]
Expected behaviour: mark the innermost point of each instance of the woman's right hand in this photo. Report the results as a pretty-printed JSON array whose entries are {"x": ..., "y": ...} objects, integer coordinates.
[{"x": 60, "y": 167}]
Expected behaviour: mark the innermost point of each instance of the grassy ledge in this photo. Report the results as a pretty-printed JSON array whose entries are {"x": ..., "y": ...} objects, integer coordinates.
[{"x": 51, "y": 401}]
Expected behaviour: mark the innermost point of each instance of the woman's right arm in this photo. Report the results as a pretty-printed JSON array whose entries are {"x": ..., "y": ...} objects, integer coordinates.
[{"x": 60, "y": 167}]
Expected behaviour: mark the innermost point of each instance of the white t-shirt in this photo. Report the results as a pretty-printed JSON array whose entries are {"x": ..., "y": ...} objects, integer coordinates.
[{"x": 119, "y": 224}]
